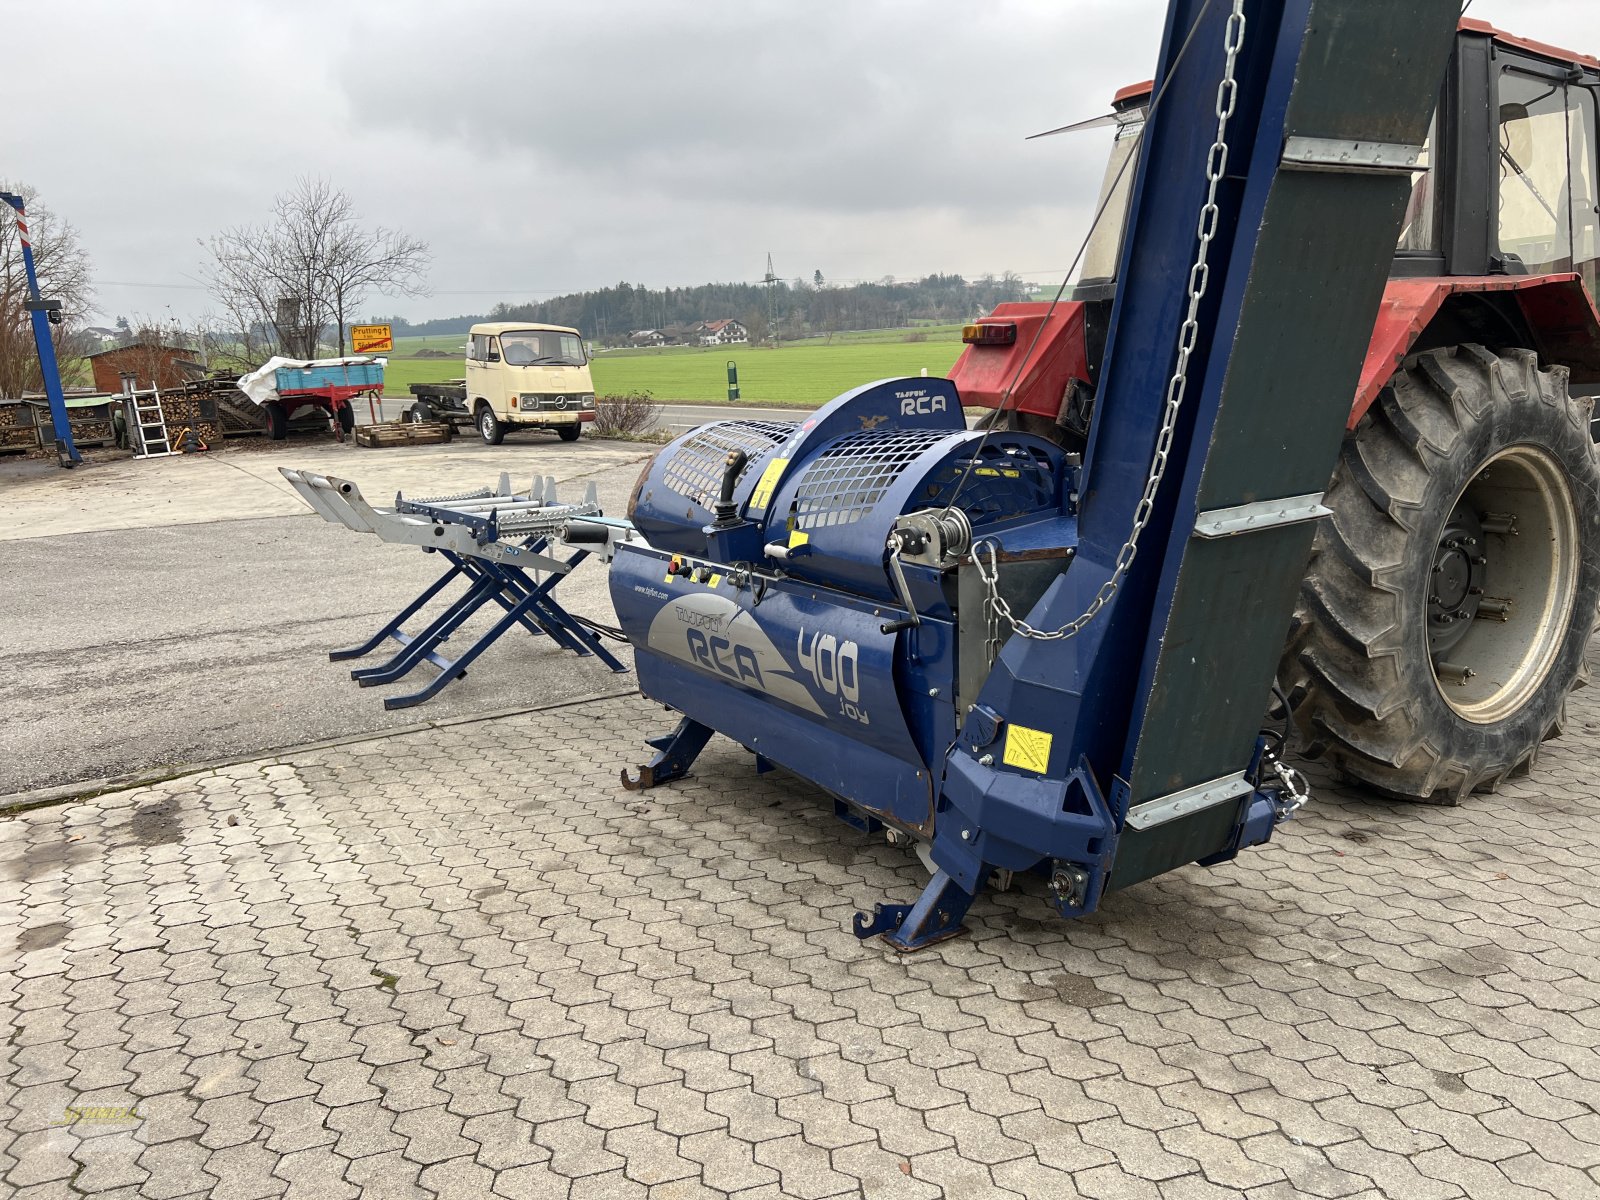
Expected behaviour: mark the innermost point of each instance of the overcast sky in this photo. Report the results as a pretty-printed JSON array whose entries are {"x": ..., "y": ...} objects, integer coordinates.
[{"x": 542, "y": 148}]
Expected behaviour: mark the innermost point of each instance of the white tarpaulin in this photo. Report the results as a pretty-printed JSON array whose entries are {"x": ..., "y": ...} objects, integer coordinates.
[{"x": 261, "y": 384}]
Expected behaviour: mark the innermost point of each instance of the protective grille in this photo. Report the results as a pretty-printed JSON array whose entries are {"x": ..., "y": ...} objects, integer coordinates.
[
  {"x": 695, "y": 469},
  {"x": 1004, "y": 482},
  {"x": 851, "y": 476}
]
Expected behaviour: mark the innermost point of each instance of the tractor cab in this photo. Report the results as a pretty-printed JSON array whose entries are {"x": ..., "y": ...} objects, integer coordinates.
[
  {"x": 1500, "y": 242},
  {"x": 1445, "y": 610}
]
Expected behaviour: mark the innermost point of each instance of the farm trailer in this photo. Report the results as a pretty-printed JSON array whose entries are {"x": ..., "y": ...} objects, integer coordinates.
[{"x": 283, "y": 387}]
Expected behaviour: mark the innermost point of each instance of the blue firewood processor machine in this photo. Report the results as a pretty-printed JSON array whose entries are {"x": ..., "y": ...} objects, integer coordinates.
[{"x": 1027, "y": 661}]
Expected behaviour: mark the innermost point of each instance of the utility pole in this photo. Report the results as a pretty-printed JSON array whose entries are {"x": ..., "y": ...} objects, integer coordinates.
[
  {"x": 44, "y": 314},
  {"x": 771, "y": 281}
]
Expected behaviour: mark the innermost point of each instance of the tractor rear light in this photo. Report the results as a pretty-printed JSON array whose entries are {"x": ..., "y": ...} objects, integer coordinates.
[{"x": 989, "y": 333}]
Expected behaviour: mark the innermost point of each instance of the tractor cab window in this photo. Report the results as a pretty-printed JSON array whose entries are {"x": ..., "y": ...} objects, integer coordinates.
[
  {"x": 1105, "y": 241},
  {"x": 1420, "y": 233},
  {"x": 1585, "y": 189},
  {"x": 1547, "y": 173}
]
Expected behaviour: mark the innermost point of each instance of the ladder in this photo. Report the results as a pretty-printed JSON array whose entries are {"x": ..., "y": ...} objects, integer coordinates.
[{"x": 149, "y": 423}]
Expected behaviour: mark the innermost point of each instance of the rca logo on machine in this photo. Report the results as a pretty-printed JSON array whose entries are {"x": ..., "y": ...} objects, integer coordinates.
[
  {"x": 919, "y": 404},
  {"x": 835, "y": 669},
  {"x": 714, "y": 634}
]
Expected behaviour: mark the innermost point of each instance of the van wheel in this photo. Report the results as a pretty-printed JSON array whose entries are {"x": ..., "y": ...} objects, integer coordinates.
[
  {"x": 489, "y": 427},
  {"x": 419, "y": 414},
  {"x": 569, "y": 433}
]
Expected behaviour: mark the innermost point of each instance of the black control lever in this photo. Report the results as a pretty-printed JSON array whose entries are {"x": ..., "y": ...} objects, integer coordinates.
[{"x": 732, "y": 466}]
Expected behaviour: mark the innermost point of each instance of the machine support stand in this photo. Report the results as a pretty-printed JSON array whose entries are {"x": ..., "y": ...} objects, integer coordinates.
[
  {"x": 934, "y": 917},
  {"x": 394, "y": 626},
  {"x": 675, "y": 754}
]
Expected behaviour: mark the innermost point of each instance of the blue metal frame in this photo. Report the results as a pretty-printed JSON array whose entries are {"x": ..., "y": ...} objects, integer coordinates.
[
  {"x": 66, "y": 449},
  {"x": 526, "y": 603}
]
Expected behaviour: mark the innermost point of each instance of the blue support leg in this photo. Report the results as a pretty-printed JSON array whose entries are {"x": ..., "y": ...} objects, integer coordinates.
[
  {"x": 392, "y": 629},
  {"x": 513, "y": 617},
  {"x": 934, "y": 917},
  {"x": 675, "y": 753},
  {"x": 440, "y": 630}
]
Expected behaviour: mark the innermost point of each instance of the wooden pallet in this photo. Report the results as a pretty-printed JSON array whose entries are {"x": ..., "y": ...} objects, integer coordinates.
[{"x": 404, "y": 433}]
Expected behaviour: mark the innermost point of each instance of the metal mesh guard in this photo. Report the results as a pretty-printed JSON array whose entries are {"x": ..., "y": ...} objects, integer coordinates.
[
  {"x": 851, "y": 476},
  {"x": 695, "y": 469}
]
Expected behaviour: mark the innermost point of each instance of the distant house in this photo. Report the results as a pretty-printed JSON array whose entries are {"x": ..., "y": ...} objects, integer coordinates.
[
  {"x": 646, "y": 337},
  {"x": 723, "y": 332},
  {"x": 680, "y": 335},
  {"x": 148, "y": 362},
  {"x": 102, "y": 338}
]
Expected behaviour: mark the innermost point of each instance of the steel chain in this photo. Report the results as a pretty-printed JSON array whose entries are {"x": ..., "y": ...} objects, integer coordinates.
[{"x": 1177, "y": 387}]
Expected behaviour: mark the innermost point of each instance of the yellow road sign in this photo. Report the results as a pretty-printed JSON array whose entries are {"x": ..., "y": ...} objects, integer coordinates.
[{"x": 371, "y": 339}]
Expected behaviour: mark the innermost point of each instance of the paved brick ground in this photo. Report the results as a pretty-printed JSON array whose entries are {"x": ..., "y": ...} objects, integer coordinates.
[{"x": 456, "y": 964}]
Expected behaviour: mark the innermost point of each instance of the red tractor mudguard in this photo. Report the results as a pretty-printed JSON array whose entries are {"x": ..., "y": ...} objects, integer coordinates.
[{"x": 985, "y": 373}]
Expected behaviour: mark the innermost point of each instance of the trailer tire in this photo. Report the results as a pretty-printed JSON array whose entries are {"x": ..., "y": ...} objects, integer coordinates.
[
  {"x": 277, "y": 420},
  {"x": 346, "y": 417},
  {"x": 569, "y": 433},
  {"x": 489, "y": 427},
  {"x": 1388, "y": 679}
]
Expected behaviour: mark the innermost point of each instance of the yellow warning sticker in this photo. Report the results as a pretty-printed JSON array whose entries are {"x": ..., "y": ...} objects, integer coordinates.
[
  {"x": 768, "y": 483},
  {"x": 798, "y": 537},
  {"x": 714, "y": 581},
  {"x": 1028, "y": 748}
]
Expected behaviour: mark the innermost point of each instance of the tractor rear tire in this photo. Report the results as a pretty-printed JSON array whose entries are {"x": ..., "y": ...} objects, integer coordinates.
[
  {"x": 1452, "y": 593},
  {"x": 277, "y": 420}
]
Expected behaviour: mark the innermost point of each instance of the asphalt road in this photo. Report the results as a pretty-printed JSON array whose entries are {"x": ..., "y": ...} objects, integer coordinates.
[{"x": 187, "y": 639}]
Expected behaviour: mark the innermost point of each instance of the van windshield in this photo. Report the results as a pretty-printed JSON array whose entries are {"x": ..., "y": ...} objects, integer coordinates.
[{"x": 541, "y": 347}]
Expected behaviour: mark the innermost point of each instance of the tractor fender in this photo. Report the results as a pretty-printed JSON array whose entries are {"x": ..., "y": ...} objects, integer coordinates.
[
  {"x": 1032, "y": 373},
  {"x": 1556, "y": 308}
]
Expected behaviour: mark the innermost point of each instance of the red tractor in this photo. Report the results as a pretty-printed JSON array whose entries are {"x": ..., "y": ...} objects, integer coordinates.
[{"x": 1452, "y": 590}]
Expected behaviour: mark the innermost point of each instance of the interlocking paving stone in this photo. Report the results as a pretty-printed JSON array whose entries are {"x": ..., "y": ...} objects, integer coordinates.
[{"x": 456, "y": 964}]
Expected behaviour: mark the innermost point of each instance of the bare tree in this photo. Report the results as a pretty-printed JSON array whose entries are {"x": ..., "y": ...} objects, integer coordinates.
[
  {"x": 63, "y": 267},
  {"x": 282, "y": 284}
]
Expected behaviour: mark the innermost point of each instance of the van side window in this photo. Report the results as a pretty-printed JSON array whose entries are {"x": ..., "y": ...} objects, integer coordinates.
[{"x": 480, "y": 347}]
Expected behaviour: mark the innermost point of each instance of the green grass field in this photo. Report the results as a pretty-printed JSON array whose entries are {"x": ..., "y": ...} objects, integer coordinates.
[{"x": 805, "y": 373}]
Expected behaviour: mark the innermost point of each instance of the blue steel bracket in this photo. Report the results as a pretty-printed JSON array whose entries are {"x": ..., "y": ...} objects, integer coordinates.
[
  {"x": 675, "y": 754},
  {"x": 935, "y": 916}
]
